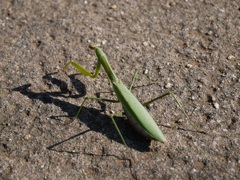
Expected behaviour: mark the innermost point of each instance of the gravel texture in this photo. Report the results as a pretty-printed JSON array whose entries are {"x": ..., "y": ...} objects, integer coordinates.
[{"x": 191, "y": 48}]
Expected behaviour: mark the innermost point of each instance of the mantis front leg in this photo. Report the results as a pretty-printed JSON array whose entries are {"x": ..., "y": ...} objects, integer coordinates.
[
  {"x": 111, "y": 115},
  {"x": 83, "y": 70}
]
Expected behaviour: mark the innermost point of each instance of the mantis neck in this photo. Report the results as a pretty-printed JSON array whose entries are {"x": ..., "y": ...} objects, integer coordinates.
[{"x": 102, "y": 58}]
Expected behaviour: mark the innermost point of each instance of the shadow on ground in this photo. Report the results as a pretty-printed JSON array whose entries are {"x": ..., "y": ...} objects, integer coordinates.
[{"x": 92, "y": 118}]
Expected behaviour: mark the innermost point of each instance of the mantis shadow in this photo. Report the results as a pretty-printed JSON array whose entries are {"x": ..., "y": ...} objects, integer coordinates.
[{"x": 92, "y": 118}]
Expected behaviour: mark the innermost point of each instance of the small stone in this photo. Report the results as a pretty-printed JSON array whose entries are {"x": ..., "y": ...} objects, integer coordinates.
[
  {"x": 114, "y": 6},
  {"x": 109, "y": 18},
  {"x": 189, "y": 65},
  {"x": 145, "y": 43},
  {"x": 145, "y": 72},
  {"x": 168, "y": 85},
  {"x": 153, "y": 46},
  {"x": 58, "y": 68},
  {"x": 27, "y": 137},
  {"x": 230, "y": 57},
  {"x": 179, "y": 121},
  {"x": 112, "y": 112},
  {"x": 213, "y": 98},
  {"x": 193, "y": 97},
  {"x": 216, "y": 105},
  {"x": 150, "y": 106},
  {"x": 194, "y": 170},
  {"x": 210, "y": 32},
  {"x": 214, "y": 144},
  {"x": 172, "y": 3},
  {"x": 104, "y": 42}
]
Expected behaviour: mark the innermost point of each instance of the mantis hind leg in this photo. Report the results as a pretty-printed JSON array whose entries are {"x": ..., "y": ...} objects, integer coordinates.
[
  {"x": 163, "y": 95},
  {"x": 178, "y": 104},
  {"x": 175, "y": 99}
]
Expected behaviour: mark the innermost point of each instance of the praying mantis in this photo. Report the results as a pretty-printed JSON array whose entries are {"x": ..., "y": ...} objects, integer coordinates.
[{"x": 136, "y": 113}]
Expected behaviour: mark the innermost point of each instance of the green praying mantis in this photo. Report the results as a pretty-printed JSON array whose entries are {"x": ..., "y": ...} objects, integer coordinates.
[{"x": 136, "y": 113}]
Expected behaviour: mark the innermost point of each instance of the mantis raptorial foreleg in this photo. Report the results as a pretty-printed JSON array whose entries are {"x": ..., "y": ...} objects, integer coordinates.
[
  {"x": 111, "y": 115},
  {"x": 87, "y": 73},
  {"x": 83, "y": 70}
]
